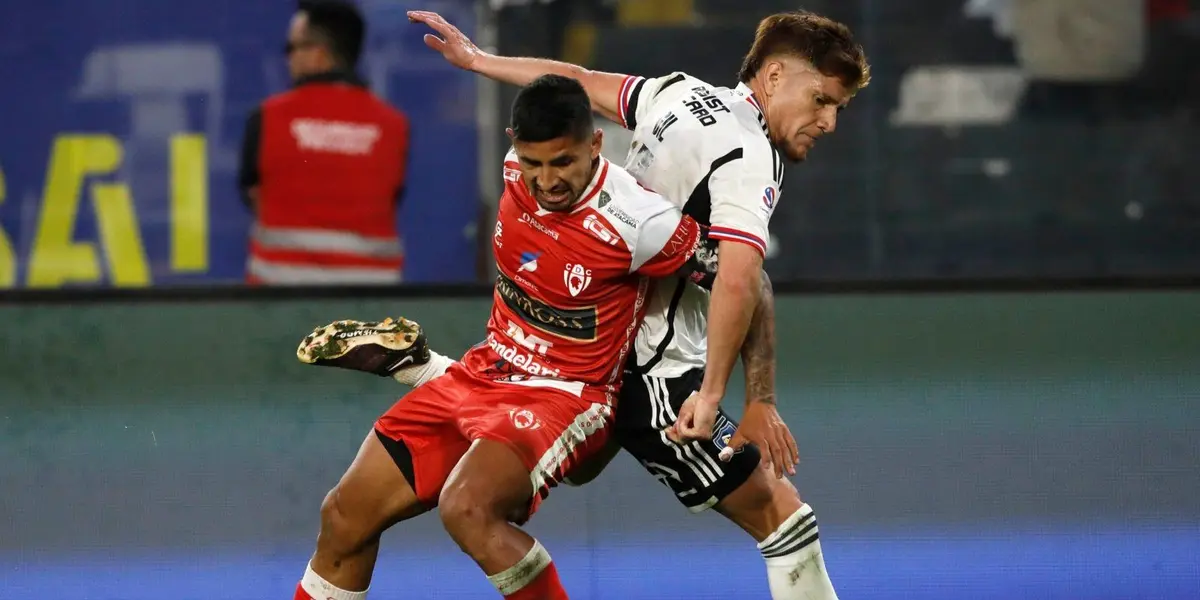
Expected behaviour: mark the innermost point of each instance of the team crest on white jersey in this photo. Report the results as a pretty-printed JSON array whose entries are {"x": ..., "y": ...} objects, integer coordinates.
[{"x": 577, "y": 278}]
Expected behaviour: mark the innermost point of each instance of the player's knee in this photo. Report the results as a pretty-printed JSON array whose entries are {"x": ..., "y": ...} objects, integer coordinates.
[
  {"x": 758, "y": 492},
  {"x": 341, "y": 533},
  {"x": 761, "y": 503},
  {"x": 465, "y": 510}
]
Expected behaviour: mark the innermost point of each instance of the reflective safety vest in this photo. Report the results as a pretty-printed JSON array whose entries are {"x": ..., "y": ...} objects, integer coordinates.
[{"x": 331, "y": 165}]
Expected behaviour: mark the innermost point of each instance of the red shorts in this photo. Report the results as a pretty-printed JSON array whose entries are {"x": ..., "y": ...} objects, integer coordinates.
[{"x": 551, "y": 429}]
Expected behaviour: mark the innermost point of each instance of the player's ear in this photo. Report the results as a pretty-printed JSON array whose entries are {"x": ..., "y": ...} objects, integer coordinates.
[
  {"x": 772, "y": 75},
  {"x": 597, "y": 142},
  {"x": 512, "y": 135}
]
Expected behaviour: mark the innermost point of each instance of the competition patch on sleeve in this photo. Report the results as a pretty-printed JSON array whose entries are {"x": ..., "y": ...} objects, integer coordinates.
[{"x": 769, "y": 198}]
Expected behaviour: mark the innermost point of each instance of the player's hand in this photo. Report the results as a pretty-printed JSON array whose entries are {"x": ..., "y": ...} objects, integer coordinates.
[
  {"x": 453, "y": 44},
  {"x": 762, "y": 426},
  {"x": 696, "y": 418}
]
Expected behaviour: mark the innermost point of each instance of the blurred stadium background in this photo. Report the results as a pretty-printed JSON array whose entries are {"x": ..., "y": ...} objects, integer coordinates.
[{"x": 989, "y": 318}]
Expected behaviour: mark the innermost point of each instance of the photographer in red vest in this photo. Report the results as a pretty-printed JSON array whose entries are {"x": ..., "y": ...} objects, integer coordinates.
[{"x": 323, "y": 164}]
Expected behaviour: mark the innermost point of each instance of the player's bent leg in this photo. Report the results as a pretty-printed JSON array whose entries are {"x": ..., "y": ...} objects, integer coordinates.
[
  {"x": 743, "y": 489},
  {"x": 398, "y": 473},
  {"x": 371, "y": 496},
  {"x": 770, "y": 509},
  {"x": 490, "y": 487},
  {"x": 761, "y": 504}
]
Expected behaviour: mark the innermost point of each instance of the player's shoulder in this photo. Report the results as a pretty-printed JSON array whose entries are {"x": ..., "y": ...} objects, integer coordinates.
[
  {"x": 744, "y": 143},
  {"x": 622, "y": 198},
  {"x": 623, "y": 215},
  {"x": 512, "y": 166},
  {"x": 674, "y": 84},
  {"x": 759, "y": 153}
]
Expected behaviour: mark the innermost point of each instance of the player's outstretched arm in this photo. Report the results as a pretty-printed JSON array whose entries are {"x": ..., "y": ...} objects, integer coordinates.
[
  {"x": 761, "y": 423},
  {"x": 604, "y": 89},
  {"x": 758, "y": 351},
  {"x": 735, "y": 295}
]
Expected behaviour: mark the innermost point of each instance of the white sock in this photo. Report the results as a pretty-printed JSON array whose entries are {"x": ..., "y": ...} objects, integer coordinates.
[
  {"x": 795, "y": 566},
  {"x": 317, "y": 587},
  {"x": 512, "y": 579},
  {"x": 418, "y": 375}
]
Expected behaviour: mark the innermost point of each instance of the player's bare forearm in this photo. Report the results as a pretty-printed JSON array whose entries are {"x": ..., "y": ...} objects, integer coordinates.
[
  {"x": 603, "y": 89},
  {"x": 734, "y": 299},
  {"x": 758, "y": 351}
]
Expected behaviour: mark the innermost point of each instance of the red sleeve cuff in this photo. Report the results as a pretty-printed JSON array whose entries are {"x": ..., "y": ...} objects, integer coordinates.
[{"x": 734, "y": 235}]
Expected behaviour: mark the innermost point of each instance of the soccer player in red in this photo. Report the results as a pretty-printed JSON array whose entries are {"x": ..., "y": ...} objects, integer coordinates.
[{"x": 485, "y": 442}]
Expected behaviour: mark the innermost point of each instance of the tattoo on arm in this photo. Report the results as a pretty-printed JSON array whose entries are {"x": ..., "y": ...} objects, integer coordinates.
[{"x": 758, "y": 351}]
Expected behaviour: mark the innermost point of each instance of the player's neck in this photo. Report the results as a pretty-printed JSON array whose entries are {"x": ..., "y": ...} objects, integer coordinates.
[
  {"x": 760, "y": 97},
  {"x": 591, "y": 179}
]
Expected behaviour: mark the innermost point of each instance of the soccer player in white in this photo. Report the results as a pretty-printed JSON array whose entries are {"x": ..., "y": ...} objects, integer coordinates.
[{"x": 716, "y": 153}]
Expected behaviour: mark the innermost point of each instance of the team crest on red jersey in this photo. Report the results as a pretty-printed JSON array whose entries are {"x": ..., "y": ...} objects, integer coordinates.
[
  {"x": 577, "y": 278},
  {"x": 524, "y": 419}
]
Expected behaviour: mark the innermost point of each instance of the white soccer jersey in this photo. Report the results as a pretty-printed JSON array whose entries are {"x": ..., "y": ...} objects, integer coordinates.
[{"x": 706, "y": 149}]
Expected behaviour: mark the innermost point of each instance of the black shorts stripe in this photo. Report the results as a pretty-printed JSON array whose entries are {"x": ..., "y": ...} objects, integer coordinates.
[{"x": 693, "y": 471}]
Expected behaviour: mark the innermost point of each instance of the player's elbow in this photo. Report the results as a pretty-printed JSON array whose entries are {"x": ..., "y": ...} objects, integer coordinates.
[{"x": 739, "y": 280}]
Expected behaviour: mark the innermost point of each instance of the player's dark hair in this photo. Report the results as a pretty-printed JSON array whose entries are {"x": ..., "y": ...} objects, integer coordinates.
[
  {"x": 551, "y": 107},
  {"x": 340, "y": 25},
  {"x": 825, "y": 43}
]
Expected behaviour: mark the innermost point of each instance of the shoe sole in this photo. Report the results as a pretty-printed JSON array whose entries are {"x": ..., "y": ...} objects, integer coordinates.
[{"x": 337, "y": 339}]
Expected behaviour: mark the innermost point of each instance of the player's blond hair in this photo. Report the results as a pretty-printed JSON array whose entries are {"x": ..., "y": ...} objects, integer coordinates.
[{"x": 825, "y": 43}]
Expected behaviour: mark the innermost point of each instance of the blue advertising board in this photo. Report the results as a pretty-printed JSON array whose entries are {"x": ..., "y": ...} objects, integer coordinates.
[{"x": 121, "y": 125}]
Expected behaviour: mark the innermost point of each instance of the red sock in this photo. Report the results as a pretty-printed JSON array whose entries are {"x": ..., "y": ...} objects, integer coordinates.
[
  {"x": 301, "y": 594},
  {"x": 545, "y": 586}
]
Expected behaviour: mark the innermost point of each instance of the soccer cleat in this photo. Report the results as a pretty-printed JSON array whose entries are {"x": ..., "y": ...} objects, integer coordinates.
[{"x": 382, "y": 347}]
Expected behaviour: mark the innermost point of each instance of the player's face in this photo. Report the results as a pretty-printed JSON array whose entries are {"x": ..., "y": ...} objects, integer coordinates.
[
  {"x": 557, "y": 171},
  {"x": 803, "y": 105}
]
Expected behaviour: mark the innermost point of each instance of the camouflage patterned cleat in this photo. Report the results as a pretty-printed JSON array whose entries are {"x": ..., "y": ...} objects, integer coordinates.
[{"x": 381, "y": 348}]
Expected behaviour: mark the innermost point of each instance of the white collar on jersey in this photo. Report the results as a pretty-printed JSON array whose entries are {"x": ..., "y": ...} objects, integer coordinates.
[
  {"x": 589, "y": 192},
  {"x": 749, "y": 94}
]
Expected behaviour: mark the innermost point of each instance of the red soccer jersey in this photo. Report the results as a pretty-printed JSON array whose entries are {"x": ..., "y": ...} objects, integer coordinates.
[{"x": 572, "y": 285}]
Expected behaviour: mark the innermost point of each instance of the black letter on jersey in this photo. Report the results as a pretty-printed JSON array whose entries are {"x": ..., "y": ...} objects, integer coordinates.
[
  {"x": 703, "y": 104},
  {"x": 661, "y": 127}
]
